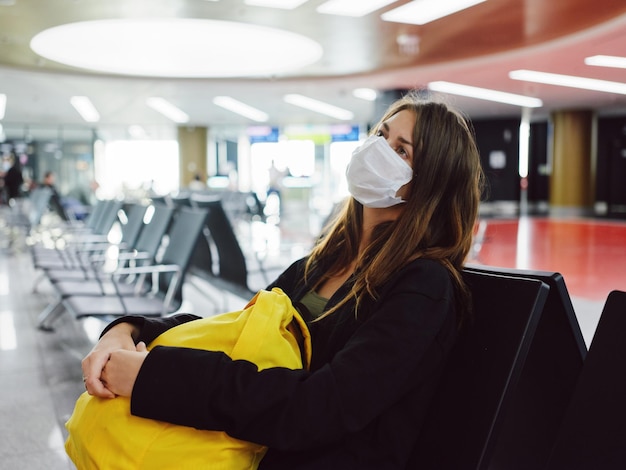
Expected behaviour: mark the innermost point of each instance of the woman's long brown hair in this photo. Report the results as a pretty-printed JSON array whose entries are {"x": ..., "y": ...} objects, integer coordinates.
[{"x": 438, "y": 217}]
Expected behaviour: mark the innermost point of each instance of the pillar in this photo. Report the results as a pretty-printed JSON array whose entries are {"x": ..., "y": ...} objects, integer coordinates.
[
  {"x": 192, "y": 149},
  {"x": 572, "y": 180}
]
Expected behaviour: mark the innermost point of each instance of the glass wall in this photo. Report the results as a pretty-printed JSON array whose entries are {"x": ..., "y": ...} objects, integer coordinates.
[{"x": 67, "y": 152}]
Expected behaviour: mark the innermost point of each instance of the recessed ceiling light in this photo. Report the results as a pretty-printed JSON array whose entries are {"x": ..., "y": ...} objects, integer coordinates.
[
  {"x": 3, "y": 105},
  {"x": 284, "y": 4},
  {"x": 424, "y": 11},
  {"x": 607, "y": 61},
  {"x": 167, "y": 109},
  {"x": 85, "y": 108},
  {"x": 352, "y": 7},
  {"x": 176, "y": 47},
  {"x": 319, "y": 107},
  {"x": 240, "y": 108},
  {"x": 485, "y": 94},
  {"x": 569, "y": 81}
]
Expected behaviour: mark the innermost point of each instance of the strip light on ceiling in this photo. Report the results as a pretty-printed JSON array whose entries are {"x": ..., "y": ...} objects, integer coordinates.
[
  {"x": 167, "y": 109},
  {"x": 568, "y": 81},
  {"x": 3, "y": 105},
  {"x": 352, "y": 8},
  {"x": 240, "y": 108},
  {"x": 606, "y": 61},
  {"x": 85, "y": 108},
  {"x": 367, "y": 94},
  {"x": 424, "y": 11},
  {"x": 485, "y": 94},
  {"x": 319, "y": 107},
  {"x": 284, "y": 4}
]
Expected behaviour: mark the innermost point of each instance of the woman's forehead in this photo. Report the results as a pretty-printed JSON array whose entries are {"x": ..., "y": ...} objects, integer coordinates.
[{"x": 403, "y": 119}]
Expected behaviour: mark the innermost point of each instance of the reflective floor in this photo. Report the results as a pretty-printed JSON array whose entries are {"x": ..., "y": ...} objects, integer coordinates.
[
  {"x": 40, "y": 375},
  {"x": 589, "y": 253}
]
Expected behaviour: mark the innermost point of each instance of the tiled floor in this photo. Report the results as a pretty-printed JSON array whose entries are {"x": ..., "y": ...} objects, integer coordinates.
[{"x": 40, "y": 375}]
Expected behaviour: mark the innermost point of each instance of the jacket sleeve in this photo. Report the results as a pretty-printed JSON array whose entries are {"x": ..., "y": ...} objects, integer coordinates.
[
  {"x": 150, "y": 328},
  {"x": 295, "y": 410}
]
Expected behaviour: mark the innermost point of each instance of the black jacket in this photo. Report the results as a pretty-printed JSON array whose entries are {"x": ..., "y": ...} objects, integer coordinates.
[
  {"x": 13, "y": 181},
  {"x": 359, "y": 407}
]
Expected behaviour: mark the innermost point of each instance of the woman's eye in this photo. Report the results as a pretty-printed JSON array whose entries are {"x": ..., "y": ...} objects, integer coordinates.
[{"x": 379, "y": 133}]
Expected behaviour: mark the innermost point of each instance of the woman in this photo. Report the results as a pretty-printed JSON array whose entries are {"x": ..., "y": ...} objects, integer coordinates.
[{"x": 385, "y": 297}]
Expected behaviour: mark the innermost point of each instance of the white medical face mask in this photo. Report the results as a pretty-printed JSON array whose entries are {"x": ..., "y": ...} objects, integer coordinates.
[{"x": 376, "y": 172}]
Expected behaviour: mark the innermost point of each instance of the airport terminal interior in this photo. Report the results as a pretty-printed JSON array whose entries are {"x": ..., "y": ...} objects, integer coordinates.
[
  {"x": 41, "y": 370},
  {"x": 248, "y": 144}
]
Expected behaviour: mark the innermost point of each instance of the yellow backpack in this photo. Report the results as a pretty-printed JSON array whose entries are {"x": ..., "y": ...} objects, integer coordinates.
[{"x": 104, "y": 435}]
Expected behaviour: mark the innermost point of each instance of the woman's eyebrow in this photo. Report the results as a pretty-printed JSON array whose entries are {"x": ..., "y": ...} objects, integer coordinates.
[
  {"x": 401, "y": 139},
  {"x": 404, "y": 141}
]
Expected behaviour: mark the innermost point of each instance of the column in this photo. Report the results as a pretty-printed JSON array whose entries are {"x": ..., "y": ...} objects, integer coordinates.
[
  {"x": 572, "y": 180},
  {"x": 192, "y": 148}
]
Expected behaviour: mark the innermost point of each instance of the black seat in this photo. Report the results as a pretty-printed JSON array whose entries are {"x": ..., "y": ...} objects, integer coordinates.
[
  {"x": 74, "y": 241},
  {"x": 554, "y": 363},
  {"x": 593, "y": 432},
  {"x": 166, "y": 297},
  {"x": 91, "y": 261},
  {"x": 478, "y": 383},
  {"x": 232, "y": 271},
  {"x": 92, "y": 282}
]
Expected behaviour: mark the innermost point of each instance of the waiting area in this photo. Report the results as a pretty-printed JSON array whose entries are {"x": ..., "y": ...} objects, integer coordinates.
[{"x": 540, "y": 369}]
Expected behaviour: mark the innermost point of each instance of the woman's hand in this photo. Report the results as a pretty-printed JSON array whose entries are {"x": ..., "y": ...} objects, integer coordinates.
[
  {"x": 120, "y": 337},
  {"x": 120, "y": 372}
]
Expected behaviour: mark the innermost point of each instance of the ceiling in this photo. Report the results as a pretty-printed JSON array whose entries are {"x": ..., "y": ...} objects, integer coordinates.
[{"x": 476, "y": 47}]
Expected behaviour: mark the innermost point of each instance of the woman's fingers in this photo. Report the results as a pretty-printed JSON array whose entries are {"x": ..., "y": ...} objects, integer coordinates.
[
  {"x": 120, "y": 372},
  {"x": 92, "y": 366}
]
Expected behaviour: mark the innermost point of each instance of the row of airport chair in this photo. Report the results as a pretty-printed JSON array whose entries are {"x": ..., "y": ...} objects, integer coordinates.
[
  {"x": 520, "y": 390},
  {"x": 65, "y": 245},
  {"x": 151, "y": 286},
  {"x": 197, "y": 236}
]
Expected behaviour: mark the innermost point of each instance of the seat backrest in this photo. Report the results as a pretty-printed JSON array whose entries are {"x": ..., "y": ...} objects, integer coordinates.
[
  {"x": 181, "y": 199},
  {"x": 482, "y": 372},
  {"x": 134, "y": 223},
  {"x": 232, "y": 262},
  {"x": 202, "y": 258},
  {"x": 152, "y": 234},
  {"x": 96, "y": 213},
  {"x": 593, "y": 432},
  {"x": 182, "y": 238},
  {"x": 554, "y": 363},
  {"x": 109, "y": 216}
]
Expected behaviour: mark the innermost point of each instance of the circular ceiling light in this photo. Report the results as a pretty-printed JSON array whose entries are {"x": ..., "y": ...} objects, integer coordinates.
[{"x": 176, "y": 47}]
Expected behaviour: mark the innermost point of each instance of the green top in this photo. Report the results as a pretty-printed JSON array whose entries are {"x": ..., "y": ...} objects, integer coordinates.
[{"x": 314, "y": 302}]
